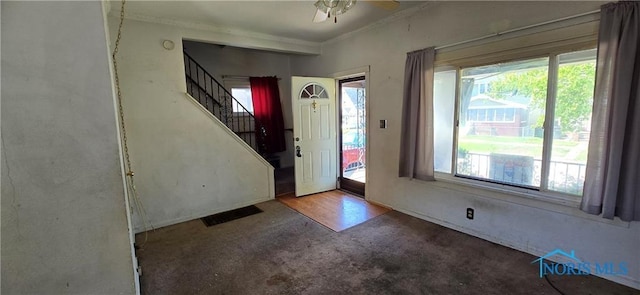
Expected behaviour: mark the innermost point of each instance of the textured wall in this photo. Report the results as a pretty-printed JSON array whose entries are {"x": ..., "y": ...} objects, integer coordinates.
[
  {"x": 520, "y": 222},
  {"x": 64, "y": 222},
  {"x": 186, "y": 165}
]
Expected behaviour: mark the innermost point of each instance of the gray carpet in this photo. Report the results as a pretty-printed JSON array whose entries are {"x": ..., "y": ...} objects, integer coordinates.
[{"x": 280, "y": 251}]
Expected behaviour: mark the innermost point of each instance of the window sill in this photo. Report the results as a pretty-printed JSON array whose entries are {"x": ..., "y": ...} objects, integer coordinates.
[
  {"x": 571, "y": 201},
  {"x": 563, "y": 204}
]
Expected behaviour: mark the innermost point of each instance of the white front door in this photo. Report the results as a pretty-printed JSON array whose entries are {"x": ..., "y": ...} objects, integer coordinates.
[{"x": 314, "y": 132}]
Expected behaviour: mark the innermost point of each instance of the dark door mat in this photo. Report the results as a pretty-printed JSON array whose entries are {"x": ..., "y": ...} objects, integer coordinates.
[{"x": 223, "y": 217}]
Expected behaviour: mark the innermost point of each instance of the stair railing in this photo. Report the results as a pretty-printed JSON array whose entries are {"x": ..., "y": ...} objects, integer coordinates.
[{"x": 218, "y": 101}]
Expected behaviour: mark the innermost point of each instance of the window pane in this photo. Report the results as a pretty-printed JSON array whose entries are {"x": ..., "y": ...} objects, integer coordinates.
[
  {"x": 500, "y": 115},
  {"x": 509, "y": 115},
  {"x": 473, "y": 115},
  {"x": 482, "y": 115},
  {"x": 574, "y": 100},
  {"x": 243, "y": 96},
  {"x": 444, "y": 96},
  {"x": 505, "y": 143}
]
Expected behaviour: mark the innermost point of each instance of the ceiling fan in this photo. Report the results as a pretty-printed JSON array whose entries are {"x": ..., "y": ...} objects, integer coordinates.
[{"x": 328, "y": 8}]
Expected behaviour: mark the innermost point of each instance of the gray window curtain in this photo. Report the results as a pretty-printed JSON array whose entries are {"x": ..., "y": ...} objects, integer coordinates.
[
  {"x": 416, "y": 144},
  {"x": 612, "y": 184}
]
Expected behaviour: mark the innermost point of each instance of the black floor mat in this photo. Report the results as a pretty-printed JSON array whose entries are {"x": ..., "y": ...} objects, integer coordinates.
[{"x": 223, "y": 217}]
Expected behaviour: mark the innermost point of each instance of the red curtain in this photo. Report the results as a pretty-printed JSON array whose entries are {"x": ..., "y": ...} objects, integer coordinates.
[{"x": 268, "y": 113}]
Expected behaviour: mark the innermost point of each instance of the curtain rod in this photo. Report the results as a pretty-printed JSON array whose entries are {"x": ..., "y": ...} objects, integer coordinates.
[
  {"x": 240, "y": 77},
  {"x": 519, "y": 29}
]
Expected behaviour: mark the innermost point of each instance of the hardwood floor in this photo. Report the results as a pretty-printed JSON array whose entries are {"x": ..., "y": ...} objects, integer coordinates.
[{"x": 336, "y": 210}]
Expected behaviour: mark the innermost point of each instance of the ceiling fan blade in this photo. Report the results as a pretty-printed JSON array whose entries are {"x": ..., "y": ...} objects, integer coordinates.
[
  {"x": 384, "y": 4},
  {"x": 320, "y": 16}
]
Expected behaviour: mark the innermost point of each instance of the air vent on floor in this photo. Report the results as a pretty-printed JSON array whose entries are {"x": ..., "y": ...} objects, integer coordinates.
[{"x": 223, "y": 217}]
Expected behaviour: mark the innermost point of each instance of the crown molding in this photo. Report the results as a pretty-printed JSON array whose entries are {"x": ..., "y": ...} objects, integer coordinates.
[
  {"x": 396, "y": 16},
  {"x": 254, "y": 40},
  {"x": 233, "y": 37}
]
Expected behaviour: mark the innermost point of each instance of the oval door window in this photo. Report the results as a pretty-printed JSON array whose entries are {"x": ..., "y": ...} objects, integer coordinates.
[{"x": 313, "y": 91}]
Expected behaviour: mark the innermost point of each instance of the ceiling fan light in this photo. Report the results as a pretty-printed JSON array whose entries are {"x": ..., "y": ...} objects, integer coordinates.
[
  {"x": 331, "y": 3},
  {"x": 349, "y": 4},
  {"x": 321, "y": 6},
  {"x": 320, "y": 16},
  {"x": 329, "y": 8},
  {"x": 343, "y": 5}
]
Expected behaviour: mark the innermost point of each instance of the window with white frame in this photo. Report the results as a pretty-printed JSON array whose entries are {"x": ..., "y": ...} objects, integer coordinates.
[
  {"x": 243, "y": 96},
  {"x": 240, "y": 90},
  {"x": 522, "y": 122}
]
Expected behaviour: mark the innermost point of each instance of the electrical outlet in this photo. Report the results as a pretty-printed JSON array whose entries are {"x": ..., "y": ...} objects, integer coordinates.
[{"x": 469, "y": 213}]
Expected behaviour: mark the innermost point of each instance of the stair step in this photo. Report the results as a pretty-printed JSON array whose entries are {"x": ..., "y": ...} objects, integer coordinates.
[{"x": 273, "y": 159}]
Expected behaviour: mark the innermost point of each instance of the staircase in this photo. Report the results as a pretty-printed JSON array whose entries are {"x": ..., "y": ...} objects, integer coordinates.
[{"x": 214, "y": 97}]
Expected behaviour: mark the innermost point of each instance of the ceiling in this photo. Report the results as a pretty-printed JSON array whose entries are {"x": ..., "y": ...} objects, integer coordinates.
[{"x": 289, "y": 19}]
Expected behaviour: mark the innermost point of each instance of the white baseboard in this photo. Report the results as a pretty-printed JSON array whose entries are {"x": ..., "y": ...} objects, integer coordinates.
[
  {"x": 161, "y": 224},
  {"x": 620, "y": 279}
]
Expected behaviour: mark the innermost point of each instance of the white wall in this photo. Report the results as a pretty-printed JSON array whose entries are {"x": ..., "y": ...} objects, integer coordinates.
[
  {"x": 528, "y": 225},
  {"x": 227, "y": 60},
  {"x": 64, "y": 222},
  {"x": 186, "y": 166}
]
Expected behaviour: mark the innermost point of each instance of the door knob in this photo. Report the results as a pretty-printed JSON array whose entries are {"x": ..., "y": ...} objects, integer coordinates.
[{"x": 298, "y": 154}]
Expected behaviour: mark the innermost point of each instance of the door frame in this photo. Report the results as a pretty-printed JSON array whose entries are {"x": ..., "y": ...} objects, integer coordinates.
[
  {"x": 352, "y": 186},
  {"x": 346, "y": 74}
]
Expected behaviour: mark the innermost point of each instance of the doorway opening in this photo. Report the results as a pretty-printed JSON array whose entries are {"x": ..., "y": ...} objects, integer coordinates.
[{"x": 352, "y": 134}]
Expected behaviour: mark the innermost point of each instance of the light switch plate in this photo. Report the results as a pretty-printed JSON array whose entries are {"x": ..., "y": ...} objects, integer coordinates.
[{"x": 383, "y": 124}]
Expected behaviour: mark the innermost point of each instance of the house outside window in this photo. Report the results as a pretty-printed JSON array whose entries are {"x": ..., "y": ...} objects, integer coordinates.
[{"x": 521, "y": 123}]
